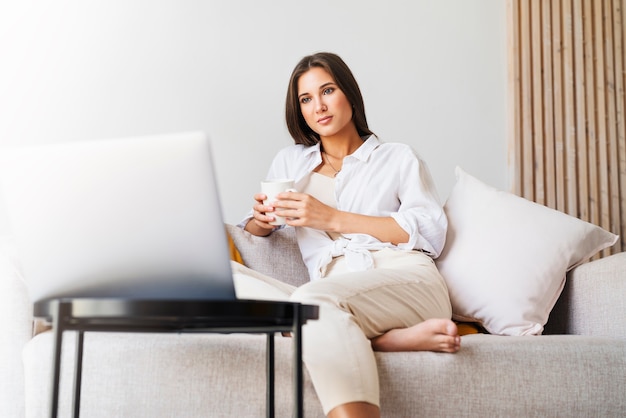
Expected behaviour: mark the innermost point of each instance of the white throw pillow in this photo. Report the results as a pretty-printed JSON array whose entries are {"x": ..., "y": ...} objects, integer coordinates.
[{"x": 506, "y": 258}]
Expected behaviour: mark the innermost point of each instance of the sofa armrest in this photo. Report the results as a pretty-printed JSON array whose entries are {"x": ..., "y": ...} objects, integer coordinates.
[
  {"x": 15, "y": 330},
  {"x": 276, "y": 255},
  {"x": 592, "y": 302}
]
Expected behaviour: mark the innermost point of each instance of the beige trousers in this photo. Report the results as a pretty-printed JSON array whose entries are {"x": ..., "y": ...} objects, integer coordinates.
[{"x": 401, "y": 290}]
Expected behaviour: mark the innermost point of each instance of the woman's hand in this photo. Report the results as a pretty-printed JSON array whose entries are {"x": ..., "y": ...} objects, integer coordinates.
[
  {"x": 262, "y": 216},
  {"x": 302, "y": 209}
]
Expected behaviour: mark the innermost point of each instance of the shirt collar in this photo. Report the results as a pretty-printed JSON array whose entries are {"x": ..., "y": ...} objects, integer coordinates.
[
  {"x": 315, "y": 149},
  {"x": 364, "y": 151}
]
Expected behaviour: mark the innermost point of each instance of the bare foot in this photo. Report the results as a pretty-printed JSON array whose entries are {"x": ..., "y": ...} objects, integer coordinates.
[
  {"x": 434, "y": 334},
  {"x": 355, "y": 409}
]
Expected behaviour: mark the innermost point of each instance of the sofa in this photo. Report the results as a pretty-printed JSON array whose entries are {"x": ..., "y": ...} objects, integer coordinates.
[{"x": 577, "y": 368}]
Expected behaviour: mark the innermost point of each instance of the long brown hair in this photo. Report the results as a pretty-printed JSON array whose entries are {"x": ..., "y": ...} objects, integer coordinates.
[{"x": 339, "y": 71}]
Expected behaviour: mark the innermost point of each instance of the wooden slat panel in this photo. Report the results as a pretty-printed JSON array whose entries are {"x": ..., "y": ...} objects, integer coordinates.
[
  {"x": 590, "y": 102},
  {"x": 514, "y": 99},
  {"x": 559, "y": 133},
  {"x": 526, "y": 103},
  {"x": 537, "y": 103},
  {"x": 614, "y": 198},
  {"x": 580, "y": 109},
  {"x": 568, "y": 123},
  {"x": 571, "y": 183},
  {"x": 548, "y": 105},
  {"x": 605, "y": 215},
  {"x": 619, "y": 33}
]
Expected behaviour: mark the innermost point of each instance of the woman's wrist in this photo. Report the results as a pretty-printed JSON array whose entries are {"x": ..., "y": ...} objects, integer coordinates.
[
  {"x": 338, "y": 222},
  {"x": 385, "y": 229},
  {"x": 255, "y": 229}
]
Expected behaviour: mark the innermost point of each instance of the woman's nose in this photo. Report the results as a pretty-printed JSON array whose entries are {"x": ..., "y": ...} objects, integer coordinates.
[{"x": 320, "y": 106}]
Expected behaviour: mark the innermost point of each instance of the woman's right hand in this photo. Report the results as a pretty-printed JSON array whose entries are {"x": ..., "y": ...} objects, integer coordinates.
[{"x": 260, "y": 223}]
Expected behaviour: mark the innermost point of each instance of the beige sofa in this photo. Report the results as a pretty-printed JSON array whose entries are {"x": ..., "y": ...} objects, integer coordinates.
[{"x": 579, "y": 373}]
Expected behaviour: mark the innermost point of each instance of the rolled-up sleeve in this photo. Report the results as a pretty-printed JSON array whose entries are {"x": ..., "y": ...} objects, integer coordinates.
[{"x": 420, "y": 213}]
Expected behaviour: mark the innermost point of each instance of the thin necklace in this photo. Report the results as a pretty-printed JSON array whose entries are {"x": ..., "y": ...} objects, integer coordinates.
[{"x": 330, "y": 164}]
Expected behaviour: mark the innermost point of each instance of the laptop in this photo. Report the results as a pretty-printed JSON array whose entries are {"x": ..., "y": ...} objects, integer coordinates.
[{"x": 126, "y": 218}]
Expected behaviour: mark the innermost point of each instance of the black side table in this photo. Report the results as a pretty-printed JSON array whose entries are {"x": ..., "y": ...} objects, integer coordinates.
[{"x": 127, "y": 315}]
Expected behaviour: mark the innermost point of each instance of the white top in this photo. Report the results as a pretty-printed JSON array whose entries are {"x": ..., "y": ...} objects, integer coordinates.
[
  {"x": 378, "y": 179},
  {"x": 322, "y": 188}
]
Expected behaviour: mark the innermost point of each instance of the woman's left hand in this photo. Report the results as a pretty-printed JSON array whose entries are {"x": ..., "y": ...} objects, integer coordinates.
[{"x": 302, "y": 209}]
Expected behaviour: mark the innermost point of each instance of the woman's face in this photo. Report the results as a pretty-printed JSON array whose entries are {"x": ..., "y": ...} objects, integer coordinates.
[{"x": 324, "y": 106}]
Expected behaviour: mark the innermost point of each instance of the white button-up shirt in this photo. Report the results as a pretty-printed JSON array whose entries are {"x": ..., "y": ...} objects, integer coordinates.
[{"x": 378, "y": 179}]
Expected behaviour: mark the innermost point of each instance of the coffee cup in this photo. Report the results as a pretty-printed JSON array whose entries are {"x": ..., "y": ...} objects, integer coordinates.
[{"x": 271, "y": 188}]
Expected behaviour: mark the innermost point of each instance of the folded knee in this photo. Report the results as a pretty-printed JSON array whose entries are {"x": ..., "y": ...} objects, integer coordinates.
[{"x": 312, "y": 295}]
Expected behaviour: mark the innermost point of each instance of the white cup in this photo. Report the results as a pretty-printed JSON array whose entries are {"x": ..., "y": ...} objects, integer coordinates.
[{"x": 271, "y": 188}]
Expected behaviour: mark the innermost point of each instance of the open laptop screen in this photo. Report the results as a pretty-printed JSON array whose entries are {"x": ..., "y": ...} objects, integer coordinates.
[{"x": 135, "y": 218}]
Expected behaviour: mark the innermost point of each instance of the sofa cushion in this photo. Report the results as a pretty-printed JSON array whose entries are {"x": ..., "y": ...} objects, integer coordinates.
[
  {"x": 592, "y": 302},
  {"x": 256, "y": 253},
  {"x": 199, "y": 375},
  {"x": 506, "y": 258}
]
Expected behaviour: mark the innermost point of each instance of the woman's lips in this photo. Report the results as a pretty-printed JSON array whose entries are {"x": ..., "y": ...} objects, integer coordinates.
[{"x": 324, "y": 120}]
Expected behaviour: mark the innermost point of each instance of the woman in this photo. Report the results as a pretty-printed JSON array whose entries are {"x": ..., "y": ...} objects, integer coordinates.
[{"x": 368, "y": 223}]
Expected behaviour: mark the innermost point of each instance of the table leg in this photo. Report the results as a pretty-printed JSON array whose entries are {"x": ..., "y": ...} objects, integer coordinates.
[
  {"x": 270, "y": 375},
  {"x": 78, "y": 369},
  {"x": 297, "y": 358},
  {"x": 57, "y": 326}
]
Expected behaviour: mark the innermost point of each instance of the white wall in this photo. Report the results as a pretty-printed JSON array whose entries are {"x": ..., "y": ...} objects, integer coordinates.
[{"x": 433, "y": 74}]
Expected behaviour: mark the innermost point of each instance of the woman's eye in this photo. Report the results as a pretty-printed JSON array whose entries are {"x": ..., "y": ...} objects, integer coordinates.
[
  {"x": 328, "y": 90},
  {"x": 305, "y": 100}
]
